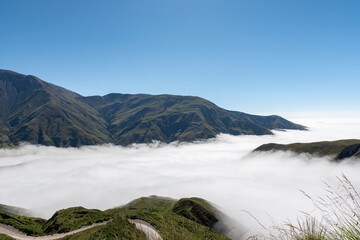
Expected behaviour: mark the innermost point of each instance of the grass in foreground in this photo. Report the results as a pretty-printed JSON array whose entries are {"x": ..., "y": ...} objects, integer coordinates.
[
  {"x": 190, "y": 220},
  {"x": 62, "y": 221},
  {"x": 117, "y": 229},
  {"x": 28, "y": 225},
  {"x": 5, "y": 237},
  {"x": 336, "y": 217},
  {"x": 159, "y": 213}
]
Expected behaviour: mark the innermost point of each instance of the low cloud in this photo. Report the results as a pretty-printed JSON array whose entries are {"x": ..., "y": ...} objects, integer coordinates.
[{"x": 221, "y": 170}]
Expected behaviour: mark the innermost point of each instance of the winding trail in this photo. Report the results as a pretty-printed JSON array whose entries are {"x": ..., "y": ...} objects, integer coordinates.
[
  {"x": 18, "y": 235},
  {"x": 150, "y": 232}
]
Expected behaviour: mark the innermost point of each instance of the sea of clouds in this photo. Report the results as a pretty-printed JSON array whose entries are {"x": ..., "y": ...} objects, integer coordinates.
[{"x": 221, "y": 170}]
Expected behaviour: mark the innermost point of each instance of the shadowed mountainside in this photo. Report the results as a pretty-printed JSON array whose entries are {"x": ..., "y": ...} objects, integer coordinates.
[
  {"x": 340, "y": 149},
  {"x": 38, "y": 112}
]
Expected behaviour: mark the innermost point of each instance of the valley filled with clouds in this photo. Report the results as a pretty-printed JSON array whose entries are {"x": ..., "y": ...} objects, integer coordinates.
[{"x": 222, "y": 170}]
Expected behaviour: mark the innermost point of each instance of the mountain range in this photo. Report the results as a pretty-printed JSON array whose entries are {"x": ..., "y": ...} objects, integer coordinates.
[{"x": 38, "y": 112}]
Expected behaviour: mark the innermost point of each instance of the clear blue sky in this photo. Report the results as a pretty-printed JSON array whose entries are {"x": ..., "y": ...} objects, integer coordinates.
[{"x": 248, "y": 55}]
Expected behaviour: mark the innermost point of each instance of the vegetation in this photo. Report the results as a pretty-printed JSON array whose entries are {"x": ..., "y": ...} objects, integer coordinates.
[
  {"x": 73, "y": 218},
  {"x": 62, "y": 221},
  {"x": 14, "y": 210},
  {"x": 28, "y": 225},
  {"x": 118, "y": 228},
  {"x": 41, "y": 113},
  {"x": 336, "y": 217},
  {"x": 196, "y": 209},
  {"x": 5, "y": 237},
  {"x": 339, "y": 150},
  {"x": 160, "y": 214},
  {"x": 157, "y": 211}
]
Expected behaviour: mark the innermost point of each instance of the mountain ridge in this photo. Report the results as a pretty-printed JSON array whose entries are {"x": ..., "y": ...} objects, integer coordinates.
[
  {"x": 338, "y": 150},
  {"x": 39, "y": 112}
]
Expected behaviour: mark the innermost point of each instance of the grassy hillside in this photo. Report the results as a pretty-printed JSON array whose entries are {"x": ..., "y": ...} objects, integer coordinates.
[
  {"x": 69, "y": 219},
  {"x": 5, "y": 237},
  {"x": 38, "y": 112},
  {"x": 157, "y": 211},
  {"x": 28, "y": 225},
  {"x": 15, "y": 210},
  {"x": 339, "y": 150},
  {"x": 196, "y": 209},
  {"x": 62, "y": 221}
]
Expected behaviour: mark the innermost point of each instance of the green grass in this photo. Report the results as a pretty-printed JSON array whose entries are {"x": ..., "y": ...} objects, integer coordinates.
[
  {"x": 15, "y": 210},
  {"x": 62, "y": 221},
  {"x": 157, "y": 211},
  {"x": 28, "y": 225},
  {"x": 197, "y": 210},
  {"x": 5, "y": 237},
  {"x": 73, "y": 218},
  {"x": 116, "y": 229}
]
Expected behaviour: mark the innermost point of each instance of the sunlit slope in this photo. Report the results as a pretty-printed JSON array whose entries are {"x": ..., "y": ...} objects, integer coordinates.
[
  {"x": 339, "y": 150},
  {"x": 38, "y": 112},
  {"x": 159, "y": 212}
]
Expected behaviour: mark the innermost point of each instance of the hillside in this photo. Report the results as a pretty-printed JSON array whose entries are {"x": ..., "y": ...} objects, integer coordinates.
[
  {"x": 38, "y": 112},
  {"x": 339, "y": 150},
  {"x": 159, "y": 212}
]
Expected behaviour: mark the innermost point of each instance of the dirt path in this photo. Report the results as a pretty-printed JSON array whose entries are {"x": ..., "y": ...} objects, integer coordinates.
[
  {"x": 14, "y": 233},
  {"x": 150, "y": 232}
]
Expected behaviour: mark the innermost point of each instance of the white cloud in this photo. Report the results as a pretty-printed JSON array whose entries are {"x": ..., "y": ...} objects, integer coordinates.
[{"x": 220, "y": 170}]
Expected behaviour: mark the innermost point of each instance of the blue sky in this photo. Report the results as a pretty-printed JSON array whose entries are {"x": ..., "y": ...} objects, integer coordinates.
[{"x": 254, "y": 56}]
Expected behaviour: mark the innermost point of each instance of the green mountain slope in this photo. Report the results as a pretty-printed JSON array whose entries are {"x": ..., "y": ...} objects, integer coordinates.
[
  {"x": 41, "y": 113},
  {"x": 157, "y": 211},
  {"x": 340, "y": 149},
  {"x": 38, "y": 112}
]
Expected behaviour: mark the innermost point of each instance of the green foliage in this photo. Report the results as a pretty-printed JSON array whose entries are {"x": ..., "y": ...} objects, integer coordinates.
[
  {"x": 69, "y": 219},
  {"x": 197, "y": 210},
  {"x": 15, "y": 210},
  {"x": 159, "y": 213},
  {"x": 5, "y": 237},
  {"x": 62, "y": 221},
  {"x": 119, "y": 228},
  {"x": 28, "y": 225}
]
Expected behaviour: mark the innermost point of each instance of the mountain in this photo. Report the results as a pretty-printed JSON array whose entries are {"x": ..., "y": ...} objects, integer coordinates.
[
  {"x": 38, "y": 112},
  {"x": 339, "y": 150}
]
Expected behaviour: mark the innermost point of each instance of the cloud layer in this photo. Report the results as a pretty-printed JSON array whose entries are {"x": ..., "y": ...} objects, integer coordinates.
[{"x": 220, "y": 170}]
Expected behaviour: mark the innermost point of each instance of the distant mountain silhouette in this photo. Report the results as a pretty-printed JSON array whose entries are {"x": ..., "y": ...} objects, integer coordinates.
[{"x": 34, "y": 111}]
